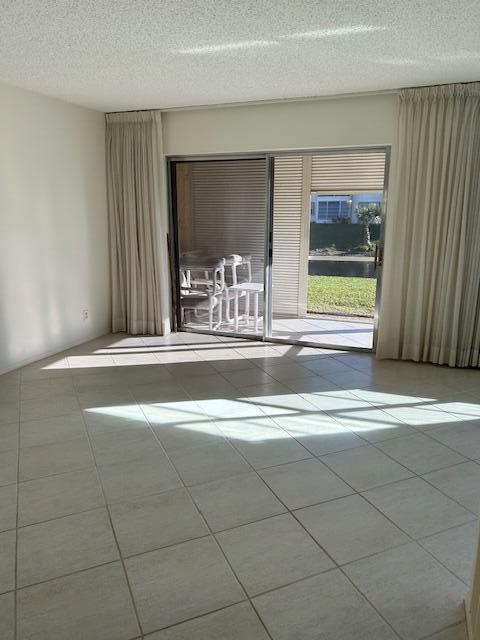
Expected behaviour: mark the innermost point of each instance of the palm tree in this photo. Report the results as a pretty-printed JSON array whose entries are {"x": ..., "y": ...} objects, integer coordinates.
[{"x": 367, "y": 216}]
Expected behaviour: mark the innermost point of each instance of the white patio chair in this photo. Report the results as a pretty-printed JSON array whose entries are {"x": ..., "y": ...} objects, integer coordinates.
[
  {"x": 240, "y": 268},
  {"x": 207, "y": 295}
]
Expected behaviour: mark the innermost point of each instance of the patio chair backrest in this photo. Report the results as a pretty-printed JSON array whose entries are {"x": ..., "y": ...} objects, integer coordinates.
[{"x": 234, "y": 262}]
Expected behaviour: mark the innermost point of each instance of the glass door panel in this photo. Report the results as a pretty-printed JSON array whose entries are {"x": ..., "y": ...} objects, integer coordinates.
[
  {"x": 220, "y": 213},
  {"x": 328, "y": 211}
]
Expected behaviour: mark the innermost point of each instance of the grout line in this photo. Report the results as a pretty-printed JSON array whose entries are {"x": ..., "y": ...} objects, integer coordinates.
[
  {"x": 67, "y": 575},
  {"x": 134, "y": 604},
  {"x": 336, "y": 565},
  {"x": 207, "y": 525},
  {"x": 453, "y": 626},
  {"x": 355, "y": 491},
  {"x": 381, "y": 616},
  {"x": 310, "y": 536},
  {"x": 415, "y": 540},
  {"x": 15, "y": 576},
  {"x": 187, "y": 489},
  {"x": 203, "y": 615}
]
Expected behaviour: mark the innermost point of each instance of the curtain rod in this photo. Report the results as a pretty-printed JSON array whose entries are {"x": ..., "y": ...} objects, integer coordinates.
[
  {"x": 437, "y": 84},
  {"x": 222, "y": 105},
  {"x": 252, "y": 103}
]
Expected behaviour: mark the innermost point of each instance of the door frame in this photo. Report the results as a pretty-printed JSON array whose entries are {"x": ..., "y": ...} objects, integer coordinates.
[{"x": 269, "y": 157}]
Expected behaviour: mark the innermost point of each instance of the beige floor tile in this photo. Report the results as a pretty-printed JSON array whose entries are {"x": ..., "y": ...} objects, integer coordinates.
[
  {"x": 457, "y": 632},
  {"x": 248, "y": 377},
  {"x": 420, "y": 454},
  {"x": 463, "y": 437},
  {"x": 460, "y": 482},
  {"x": 423, "y": 418},
  {"x": 174, "y": 584},
  {"x": 8, "y": 467},
  {"x": 51, "y": 459},
  {"x": 181, "y": 370},
  {"x": 272, "y": 553},
  {"x": 238, "y": 622},
  {"x": 365, "y": 467},
  {"x": 128, "y": 419},
  {"x": 209, "y": 386},
  {"x": 114, "y": 397},
  {"x": 124, "y": 446},
  {"x": 188, "y": 434},
  {"x": 47, "y": 388},
  {"x": 52, "y": 430},
  {"x": 9, "y": 411},
  {"x": 455, "y": 549},
  {"x": 8, "y": 436},
  {"x": 65, "y": 545},
  {"x": 325, "y": 606},
  {"x": 417, "y": 508},
  {"x": 374, "y": 425},
  {"x": 45, "y": 407},
  {"x": 197, "y": 465},
  {"x": 350, "y": 528},
  {"x": 7, "y": 616},
  {"x": 51, "y": 367},
  {"x": 300, "y": 484},
  {"x": 234, "y": 501},
  {"x": 151, "y": 474},
  {"x": 8, "y": 507},
  {"x": 7, "y": 561},
  {"x": 320, "y": 434},
  {"x": 91, "y": 604},
  {"x": 145, "y": 524},
  {"x": 415, "y": 594},
  {"x": 152, "y": 392},
  {"x": 268, "y": 447},
  {"x": 56, "y": 496}
]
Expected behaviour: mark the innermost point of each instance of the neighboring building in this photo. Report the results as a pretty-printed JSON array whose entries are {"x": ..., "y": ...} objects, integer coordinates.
[{"x": 328, "y": 209}]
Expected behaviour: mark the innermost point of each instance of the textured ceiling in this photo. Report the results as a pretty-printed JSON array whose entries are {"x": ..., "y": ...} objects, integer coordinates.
[{"x": 128, "y": 54}]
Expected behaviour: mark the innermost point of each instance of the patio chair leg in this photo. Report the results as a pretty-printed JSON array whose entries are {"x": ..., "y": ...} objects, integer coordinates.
[
  {"x": 220, "y": 312},
  {"x": 247, "y": 308},
  {"x": 255, "y": 312},
  {"x": 235, "y": 310},
  {"x": 227, "y": 307}
]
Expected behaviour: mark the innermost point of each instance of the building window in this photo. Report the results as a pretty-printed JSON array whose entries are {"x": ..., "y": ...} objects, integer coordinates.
[
  {"x": 332, "y": 210},
  {"x": 366, "y": 204}
]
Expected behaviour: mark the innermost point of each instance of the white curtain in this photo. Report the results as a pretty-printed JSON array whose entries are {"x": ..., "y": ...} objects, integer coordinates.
[
  {"x": 431, "y": 287},
  {"x": 137, "y": 218}
]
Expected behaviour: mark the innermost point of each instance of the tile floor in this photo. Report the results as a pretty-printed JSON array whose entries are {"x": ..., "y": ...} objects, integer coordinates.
[{"x": 217, "y": 489}]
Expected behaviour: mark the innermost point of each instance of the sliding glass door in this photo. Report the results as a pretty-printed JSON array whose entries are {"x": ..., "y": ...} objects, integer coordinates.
[
  {"x": 220, "y": 217},
  {"x": 328, "y": 212},
  {"x": 280, "y": 247}
]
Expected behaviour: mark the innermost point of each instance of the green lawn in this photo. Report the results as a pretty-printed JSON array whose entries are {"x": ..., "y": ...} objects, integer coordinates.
[{"x": 332, "y": 294}]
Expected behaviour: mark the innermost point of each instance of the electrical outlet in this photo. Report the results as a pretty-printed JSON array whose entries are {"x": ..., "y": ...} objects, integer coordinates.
[{"x": 85, "y": 314}]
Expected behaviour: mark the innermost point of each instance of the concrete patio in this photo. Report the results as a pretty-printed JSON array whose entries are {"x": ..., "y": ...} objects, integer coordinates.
[{"x": 342, "y": 333}]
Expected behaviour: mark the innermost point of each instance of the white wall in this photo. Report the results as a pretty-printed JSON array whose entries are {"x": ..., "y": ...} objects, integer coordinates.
[
  {"x": 329, "y": 122},
  {"x": 53, "y": 221},
  {"x": 53, "y": 226}
]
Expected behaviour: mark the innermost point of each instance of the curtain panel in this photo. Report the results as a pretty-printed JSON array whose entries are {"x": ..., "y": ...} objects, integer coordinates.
[
  {"x": 137, "y": 219},
  {"x": 431, "y": 288}
]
